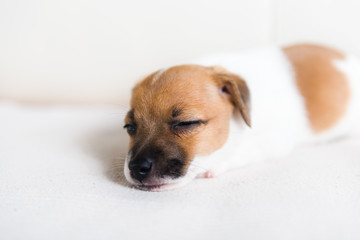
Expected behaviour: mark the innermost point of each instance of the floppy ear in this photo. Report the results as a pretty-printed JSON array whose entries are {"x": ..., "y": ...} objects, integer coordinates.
[{"x": 235, "y": 89}]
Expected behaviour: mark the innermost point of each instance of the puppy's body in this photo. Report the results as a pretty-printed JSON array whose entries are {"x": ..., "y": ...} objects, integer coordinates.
[
  {"x": 280, "y": 111},
  {"x": 298, "y": 95}
]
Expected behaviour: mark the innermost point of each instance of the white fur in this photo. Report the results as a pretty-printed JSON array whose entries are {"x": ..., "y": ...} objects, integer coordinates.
[
  {"x": 158, "y": 75},
  {"x": 126, "y": 168},
  {"x": 279, "y": 118},
  {"x": 350, "y": 122}
]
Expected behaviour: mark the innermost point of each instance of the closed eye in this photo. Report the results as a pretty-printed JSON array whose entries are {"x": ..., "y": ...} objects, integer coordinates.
[
  {"x": 130, "y": 128},
  {"x": 185, "y": 126}
]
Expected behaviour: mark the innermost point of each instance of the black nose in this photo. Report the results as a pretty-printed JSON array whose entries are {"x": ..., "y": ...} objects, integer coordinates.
[{"x": 140, "y": 168}]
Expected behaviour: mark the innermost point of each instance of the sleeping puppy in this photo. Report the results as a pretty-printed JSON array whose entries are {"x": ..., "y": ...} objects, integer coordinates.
[{"x": 225, "y": 111}]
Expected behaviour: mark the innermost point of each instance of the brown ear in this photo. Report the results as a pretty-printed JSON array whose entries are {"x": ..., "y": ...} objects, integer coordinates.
[{"x": 236, "y": 90}]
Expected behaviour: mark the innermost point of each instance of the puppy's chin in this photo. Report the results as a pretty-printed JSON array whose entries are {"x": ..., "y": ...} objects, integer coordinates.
[{"x": 171, "y": 185}]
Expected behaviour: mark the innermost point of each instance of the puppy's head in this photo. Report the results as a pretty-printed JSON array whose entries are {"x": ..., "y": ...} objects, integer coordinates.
[{"x": 176, "y": 115}]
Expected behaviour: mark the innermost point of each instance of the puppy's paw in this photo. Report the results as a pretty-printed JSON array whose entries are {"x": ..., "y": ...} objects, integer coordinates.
[{"x": 212, "y": 173}]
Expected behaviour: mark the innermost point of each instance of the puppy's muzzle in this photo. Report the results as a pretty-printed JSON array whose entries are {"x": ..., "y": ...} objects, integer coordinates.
[{"x": 140, "y": 168}]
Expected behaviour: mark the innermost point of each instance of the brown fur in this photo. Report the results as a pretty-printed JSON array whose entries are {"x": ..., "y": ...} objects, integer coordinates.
[
  {"x": 237, "y": 90},
  {"x": 196, "y": 92},
  {"x": 324, "y": 88}
]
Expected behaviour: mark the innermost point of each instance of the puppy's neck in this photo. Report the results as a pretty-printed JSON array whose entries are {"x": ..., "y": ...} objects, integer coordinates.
[{"x": 229, "y": 152}]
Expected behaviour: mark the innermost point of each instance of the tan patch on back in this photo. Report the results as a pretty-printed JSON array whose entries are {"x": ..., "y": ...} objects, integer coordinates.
[{"x": 325, "y": 89}]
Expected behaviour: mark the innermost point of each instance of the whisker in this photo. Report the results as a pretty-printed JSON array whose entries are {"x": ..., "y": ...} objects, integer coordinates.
[
  {"x": 117, "y": 163},
  {"x": 176, "y": 173},
  {"x": 195, "y": 165}
]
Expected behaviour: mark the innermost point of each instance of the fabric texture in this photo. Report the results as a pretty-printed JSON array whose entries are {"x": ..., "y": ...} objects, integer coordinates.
[{"x": 55, "y": 184}]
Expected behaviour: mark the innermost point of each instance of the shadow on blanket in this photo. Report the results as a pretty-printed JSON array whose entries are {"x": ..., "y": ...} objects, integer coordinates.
[{"x": 109, "y": 146}]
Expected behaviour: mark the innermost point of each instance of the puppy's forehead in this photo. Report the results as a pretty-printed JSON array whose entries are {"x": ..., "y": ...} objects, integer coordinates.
[
  {"x": 183, "y": 77},
  {"x": 186, "y": 86}
]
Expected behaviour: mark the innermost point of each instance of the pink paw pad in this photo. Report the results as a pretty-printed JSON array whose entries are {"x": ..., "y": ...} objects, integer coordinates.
[{"x": 210, "y": 174}]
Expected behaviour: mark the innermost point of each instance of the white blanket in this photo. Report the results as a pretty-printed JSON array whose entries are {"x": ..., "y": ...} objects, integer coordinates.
[{"x": 53, "y": 185}]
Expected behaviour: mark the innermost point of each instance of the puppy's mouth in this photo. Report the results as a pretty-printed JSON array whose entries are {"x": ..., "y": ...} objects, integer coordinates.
[
  {"x": 167, "y": 186},
  {"x": 163, "y": 185},
  {"x": 156, "y": 188}
]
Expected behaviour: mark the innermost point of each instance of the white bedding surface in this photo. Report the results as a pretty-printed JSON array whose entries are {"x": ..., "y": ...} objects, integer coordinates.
[{"x": 53, "y": 185}]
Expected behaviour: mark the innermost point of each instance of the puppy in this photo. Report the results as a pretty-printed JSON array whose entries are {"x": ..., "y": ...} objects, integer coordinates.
[{"x": 224, "y": 111}]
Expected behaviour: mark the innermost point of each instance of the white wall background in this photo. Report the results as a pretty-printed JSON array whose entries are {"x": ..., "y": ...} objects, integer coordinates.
[{"x": 93, "y": 51}]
